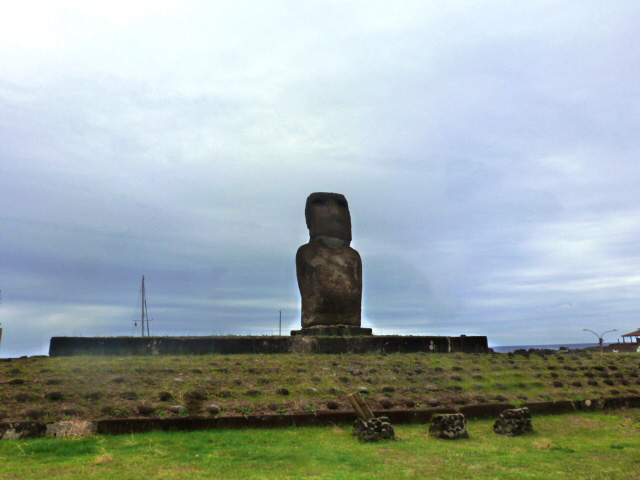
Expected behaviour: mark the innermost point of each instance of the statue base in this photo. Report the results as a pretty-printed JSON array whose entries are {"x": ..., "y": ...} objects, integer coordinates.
[
  {"x": 264, "y": 344},
  {"x": 333, "y": 331}
]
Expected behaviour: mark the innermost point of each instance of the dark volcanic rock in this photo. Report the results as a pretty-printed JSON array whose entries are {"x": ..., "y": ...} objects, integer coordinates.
[
  {"x": 195, "y": 396},
  {"x": 333, "y": 405},
  {"x": 107, "y": 410},
  {"x": 165, "y": 396},
  {"x": 449, "y": 426},
  {"x": 146, "y": 410},
  {"x": 329, "y": 271},
  {"x": 54, "y": 396},
  {"x": 513, "y": 422},
  {"x": 373, "y": 430},
  {"x": 35, "y": 413}
]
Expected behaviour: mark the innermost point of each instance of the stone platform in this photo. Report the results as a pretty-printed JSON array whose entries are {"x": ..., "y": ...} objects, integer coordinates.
[
  {"x": 66, "y": 346},
  {"x": 333, "y": 331}
]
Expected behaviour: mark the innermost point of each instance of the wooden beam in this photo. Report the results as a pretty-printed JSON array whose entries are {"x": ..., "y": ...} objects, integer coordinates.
[{"x": 360, "y": 406}]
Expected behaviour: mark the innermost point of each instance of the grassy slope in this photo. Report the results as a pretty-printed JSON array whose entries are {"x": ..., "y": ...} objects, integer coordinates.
[
  {"x": 242, "y": 384},
  {"x": 584, "y": 445}
]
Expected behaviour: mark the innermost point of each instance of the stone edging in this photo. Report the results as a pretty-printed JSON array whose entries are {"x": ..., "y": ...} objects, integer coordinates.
[{"x": 115, "y": 426}]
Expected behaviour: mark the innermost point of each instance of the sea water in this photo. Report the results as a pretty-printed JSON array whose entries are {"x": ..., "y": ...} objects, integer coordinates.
[{"x": 571, "y": 346}]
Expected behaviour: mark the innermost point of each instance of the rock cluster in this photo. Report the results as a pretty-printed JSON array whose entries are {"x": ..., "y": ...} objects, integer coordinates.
[
  {"x": 449, "y": 426},
  {"x": 513, "y": 422},
  {"x": 374, "y": 429}
]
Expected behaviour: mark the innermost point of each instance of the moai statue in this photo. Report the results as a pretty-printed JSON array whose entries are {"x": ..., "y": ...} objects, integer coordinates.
[{"x": 329, "y": 271}]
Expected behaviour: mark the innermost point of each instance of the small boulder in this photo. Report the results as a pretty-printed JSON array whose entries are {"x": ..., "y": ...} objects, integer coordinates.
[
  {"x": 333, "y": 405},
  {"x": 34, "y": 413},
  {"x": 195, "y": 396},
  {"x": 146, "y": 409},
  {"x": 108, "y": 410},
  {"x": 54, "y": 396},
  {"x": 71, "y": 412},
  {"x": 165, "y": 396},
  {"x": 433, "y": 402}
]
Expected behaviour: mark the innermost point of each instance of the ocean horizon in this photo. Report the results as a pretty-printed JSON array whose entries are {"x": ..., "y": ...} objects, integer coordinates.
[{"x": 554, "y": 346}]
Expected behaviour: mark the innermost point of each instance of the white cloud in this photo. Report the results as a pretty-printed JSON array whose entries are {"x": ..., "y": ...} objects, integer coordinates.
[{"x": 488, "y": 152}]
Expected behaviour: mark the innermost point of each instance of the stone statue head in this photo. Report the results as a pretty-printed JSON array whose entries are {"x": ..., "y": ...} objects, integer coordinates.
[{"x": 327, "y": 214}]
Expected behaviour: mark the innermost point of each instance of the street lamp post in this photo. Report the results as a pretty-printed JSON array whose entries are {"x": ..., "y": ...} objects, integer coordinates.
[{"x": 600, "y": 339}]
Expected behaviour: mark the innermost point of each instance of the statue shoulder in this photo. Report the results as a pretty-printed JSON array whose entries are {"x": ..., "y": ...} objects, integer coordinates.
[
  {"x": 353, "y": 252},
  {"x": 305, "y": 250}
]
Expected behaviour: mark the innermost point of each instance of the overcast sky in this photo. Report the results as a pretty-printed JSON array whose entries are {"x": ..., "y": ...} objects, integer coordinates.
[{"x": 489, "y": 152}]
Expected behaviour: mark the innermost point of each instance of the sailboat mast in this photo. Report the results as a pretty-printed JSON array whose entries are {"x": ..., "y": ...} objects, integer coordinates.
[{"x": 143, "y": 303}]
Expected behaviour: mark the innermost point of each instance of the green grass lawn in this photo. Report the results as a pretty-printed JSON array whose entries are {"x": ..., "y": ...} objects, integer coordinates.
[{"x": 581, "y": 445}]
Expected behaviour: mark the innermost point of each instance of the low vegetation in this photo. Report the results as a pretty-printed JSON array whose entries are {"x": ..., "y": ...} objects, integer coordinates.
[
  {"x": 63, "y": 388},
  {"x": 579, "y": 446}
]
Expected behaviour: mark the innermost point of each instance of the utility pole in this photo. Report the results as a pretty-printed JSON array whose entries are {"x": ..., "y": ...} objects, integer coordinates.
[
  {"x": 143, "y": 302},
  {"x": 280, "y": 325}
]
